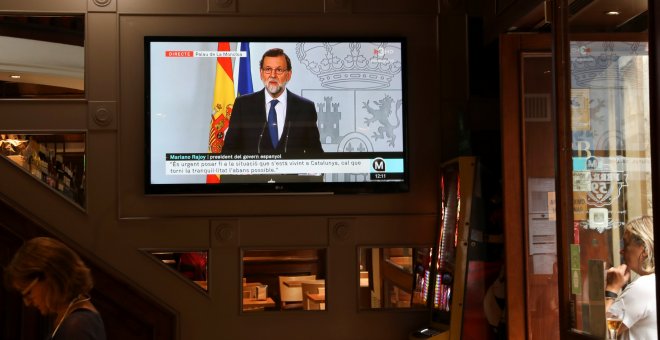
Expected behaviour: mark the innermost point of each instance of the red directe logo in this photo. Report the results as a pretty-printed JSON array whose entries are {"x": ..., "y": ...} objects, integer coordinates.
[{"x": 179, "y": 54}]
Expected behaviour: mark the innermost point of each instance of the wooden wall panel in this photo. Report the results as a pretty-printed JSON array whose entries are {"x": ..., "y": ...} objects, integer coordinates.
[{"x": 120, "y": 219}]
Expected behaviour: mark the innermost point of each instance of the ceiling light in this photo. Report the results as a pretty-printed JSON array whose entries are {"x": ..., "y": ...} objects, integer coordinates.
[
  {"x": 612, "y": 13},
  {"x": 15, "y": 76}
]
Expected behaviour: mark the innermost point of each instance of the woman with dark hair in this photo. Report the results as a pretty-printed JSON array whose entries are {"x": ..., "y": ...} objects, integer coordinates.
[
  {"x": 52, "y": 278},
  {"x": 638, "y": 296}
]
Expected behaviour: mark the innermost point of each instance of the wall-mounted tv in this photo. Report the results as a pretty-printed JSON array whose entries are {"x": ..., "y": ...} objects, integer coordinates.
[{"x": 338, "y": 125}]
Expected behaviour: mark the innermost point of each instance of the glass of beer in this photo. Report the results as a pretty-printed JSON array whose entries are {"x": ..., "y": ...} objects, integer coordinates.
[{"x": 614, "y": 317}]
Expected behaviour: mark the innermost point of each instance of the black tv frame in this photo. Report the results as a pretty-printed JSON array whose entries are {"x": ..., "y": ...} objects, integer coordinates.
[{"x": 299, "y": 187}]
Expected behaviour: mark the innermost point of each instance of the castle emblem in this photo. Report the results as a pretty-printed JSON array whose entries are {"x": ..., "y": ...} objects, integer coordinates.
[{"x": 328, "y": 120}]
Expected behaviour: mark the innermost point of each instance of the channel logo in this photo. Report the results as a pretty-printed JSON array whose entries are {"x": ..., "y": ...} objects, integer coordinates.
[
  {"x": 380, "y": 51},
  {"x": 378, "y": 164}
]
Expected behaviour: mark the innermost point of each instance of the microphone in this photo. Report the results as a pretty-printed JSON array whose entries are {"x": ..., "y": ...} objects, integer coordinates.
[
  {"x": 286, "y": 138},
  {"x": 261, "y": 136}
]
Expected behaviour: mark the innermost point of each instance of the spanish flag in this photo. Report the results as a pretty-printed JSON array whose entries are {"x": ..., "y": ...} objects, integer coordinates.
[{"x": 223, "y": 101}]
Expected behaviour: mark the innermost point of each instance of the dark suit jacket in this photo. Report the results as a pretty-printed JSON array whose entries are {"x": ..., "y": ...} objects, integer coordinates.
[{"x": 248, "y": 133}]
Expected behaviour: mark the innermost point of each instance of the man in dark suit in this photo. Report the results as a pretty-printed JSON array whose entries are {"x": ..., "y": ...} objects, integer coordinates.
[{"x": 273, "y": 120}]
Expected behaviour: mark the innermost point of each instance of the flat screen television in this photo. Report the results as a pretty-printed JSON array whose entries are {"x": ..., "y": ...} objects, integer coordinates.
[{"x": 193, "y": 105}]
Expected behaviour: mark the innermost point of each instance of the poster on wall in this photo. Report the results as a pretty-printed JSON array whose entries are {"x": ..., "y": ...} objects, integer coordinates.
[{"x": 580, "y": 110}]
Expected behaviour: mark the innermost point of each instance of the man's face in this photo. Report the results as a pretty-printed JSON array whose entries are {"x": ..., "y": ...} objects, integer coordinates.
[{"x": 275, "y": 75}]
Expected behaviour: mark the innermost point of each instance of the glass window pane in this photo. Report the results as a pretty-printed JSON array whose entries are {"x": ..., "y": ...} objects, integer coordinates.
[
  {"x": 193, "y": 265},
  {"x": 611, "y": 166},
  {"x": 57, "y": 160},
  {"x": 541, "y": 223},
  {"x": 42, "y": 56},
  {"x": 395, "y": 277},
  {"x": 283, "y": 280}
]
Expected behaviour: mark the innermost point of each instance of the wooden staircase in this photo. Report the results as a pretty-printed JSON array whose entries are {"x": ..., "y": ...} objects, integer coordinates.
[{"x": 127, "y": 313}]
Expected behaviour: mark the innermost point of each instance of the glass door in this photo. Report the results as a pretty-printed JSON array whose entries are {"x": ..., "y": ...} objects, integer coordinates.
[
  {"x": 611, "y": 166},
  {"x": 607, "y": 236}
]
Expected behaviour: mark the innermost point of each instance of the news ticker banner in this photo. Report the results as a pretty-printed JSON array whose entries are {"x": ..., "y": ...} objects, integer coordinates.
[{"x": 206, "y": 164}]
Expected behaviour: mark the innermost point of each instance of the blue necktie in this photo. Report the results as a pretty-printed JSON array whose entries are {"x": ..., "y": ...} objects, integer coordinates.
[{"x": 272, "y": 123}]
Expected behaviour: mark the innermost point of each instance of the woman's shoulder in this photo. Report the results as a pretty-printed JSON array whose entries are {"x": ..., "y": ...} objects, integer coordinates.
[
  {"x": 644, "y": 283},
  {"x": 84, "y": 313},
  {"x": 82, "y": 323},
  {"x": 646, "y": 279}
]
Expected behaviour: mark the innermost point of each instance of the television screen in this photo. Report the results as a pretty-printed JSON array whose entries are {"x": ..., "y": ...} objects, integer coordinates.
[{"x": 338, "y": 124}]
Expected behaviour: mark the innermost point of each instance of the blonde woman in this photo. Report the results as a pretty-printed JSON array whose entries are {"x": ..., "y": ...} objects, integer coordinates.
[
  {"x": 52, "y": 278},
  {"x": 638, "y": 297}
]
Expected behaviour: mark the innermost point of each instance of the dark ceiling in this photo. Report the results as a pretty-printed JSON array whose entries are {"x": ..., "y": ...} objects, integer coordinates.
[
  {"x": 64, "y": 29},
  {"x": 591, "y": 16}
]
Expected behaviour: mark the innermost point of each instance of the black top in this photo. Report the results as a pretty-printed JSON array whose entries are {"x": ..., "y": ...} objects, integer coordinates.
[{"x": 81, "y": 324}]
